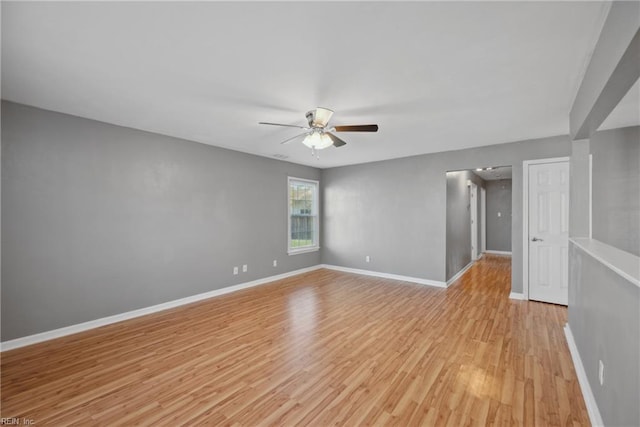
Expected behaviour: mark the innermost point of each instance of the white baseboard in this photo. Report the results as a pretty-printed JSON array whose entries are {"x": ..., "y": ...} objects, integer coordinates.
[
  {"x": 460, "y": 273},
  {"x": 92, "y": 324},
  {"x": 517, "y": 295},
  {"x": 506, "y": 253},
  {"x": 587, "y": 393},
  {"x": 428, "y": 282}
]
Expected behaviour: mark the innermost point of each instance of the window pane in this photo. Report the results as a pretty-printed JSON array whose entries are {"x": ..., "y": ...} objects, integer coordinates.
[{"x": 303, "y": 218}]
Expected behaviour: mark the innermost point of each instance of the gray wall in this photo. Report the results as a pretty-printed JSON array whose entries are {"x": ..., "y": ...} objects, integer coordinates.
[
  {"x": 579, "y": 189},
  {"x": 458, "y": 222},
  {"x": 458, "y": 240},
  {"x": 604, "y": 314},
  {"x": 499, "y": 227},
  {"x": 604, "y": 309},
  {"x": 395, "y": 210},
  {"x": 616, "y": 188},
  {"x": 99, "y": 219}
]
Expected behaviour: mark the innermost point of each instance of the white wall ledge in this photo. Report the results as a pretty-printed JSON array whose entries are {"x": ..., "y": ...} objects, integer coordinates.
[{"x": 623, "y": 263}]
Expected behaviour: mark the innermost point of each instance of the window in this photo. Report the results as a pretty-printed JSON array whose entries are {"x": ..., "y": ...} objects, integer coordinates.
[{"x": 303, "y": 233}]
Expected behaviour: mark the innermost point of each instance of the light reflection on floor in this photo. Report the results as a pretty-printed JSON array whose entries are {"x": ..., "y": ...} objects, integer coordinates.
[
  {"x": 477, "y": 381},
  {"x": 302, "y": 309}
]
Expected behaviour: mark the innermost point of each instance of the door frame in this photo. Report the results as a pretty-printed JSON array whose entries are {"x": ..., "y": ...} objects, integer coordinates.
[
  {"x": 483, "y": 220},
  {"x": 473, "y": 213},
  {"x": 525, "y": 215}
]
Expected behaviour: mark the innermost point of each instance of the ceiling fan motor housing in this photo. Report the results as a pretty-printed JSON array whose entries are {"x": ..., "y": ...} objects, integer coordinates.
[{"x": 311, "y": 118}]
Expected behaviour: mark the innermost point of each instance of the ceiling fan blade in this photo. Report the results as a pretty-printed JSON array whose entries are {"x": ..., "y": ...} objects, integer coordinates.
[
  {"x": 337, "y": 142},
  {"x": 356, "y": 128},
  {"x": 294, "y": 137},
  {"x": 280, "y": 124}
]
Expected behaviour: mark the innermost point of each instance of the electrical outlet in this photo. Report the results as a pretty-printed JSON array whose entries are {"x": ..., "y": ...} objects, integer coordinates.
[
  {"x": 499, "y": 214},
  {"x": 275, "y": 262},
  {"x": 601, "y": 372},
  {"x": 235, "y": 270},
  {"x": 244, "y": 268},
  {"x": 367, "y": 258}
]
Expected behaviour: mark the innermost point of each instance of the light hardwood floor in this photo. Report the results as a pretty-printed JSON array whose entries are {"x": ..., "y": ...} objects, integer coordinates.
[{"x": 317, "y": 349}]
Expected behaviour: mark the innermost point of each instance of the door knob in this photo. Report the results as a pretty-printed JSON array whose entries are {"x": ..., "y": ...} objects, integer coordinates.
[{"x": 535, "y": 239}]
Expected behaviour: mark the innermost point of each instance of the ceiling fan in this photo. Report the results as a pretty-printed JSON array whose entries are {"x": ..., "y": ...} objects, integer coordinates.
[{"x": 317, "y": 135}]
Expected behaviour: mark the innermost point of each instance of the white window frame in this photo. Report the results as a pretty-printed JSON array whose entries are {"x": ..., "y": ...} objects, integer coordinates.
[{"x": 315, "y": 212}]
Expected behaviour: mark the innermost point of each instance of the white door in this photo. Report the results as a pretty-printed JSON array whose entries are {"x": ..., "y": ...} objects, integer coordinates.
[
  {"x": 473, "y": 206},
  {"x": 549, "y": 232}
]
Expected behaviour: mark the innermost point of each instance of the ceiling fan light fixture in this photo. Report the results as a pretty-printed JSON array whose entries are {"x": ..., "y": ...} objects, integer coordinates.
[
  {"x": 321, "y": 117},
  {"x": 317, "y": 140}
]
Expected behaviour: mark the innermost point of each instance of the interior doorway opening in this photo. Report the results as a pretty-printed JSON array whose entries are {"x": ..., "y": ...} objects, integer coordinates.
[{"x": 479, "y": 206}]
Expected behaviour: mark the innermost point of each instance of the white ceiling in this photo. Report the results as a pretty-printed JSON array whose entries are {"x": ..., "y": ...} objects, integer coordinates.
[
  {"x": 495, "y": 173},
  {"x": 434, "y": 76}
]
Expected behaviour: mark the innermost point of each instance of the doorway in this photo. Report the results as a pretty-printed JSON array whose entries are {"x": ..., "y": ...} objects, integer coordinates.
[{"x": 472, "y": 197}]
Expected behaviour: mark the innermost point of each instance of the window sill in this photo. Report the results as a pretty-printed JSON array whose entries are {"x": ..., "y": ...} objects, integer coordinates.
[{"x": 303, "y": 250}]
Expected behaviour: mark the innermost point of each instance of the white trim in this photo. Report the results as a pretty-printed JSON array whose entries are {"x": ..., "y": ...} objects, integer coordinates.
[
  {"x": 585, "y": 387},
  {"x": 417, "y": 280},
  {"x": 623, "y": 263},
  {"x": 459, "y": 273},
  {"x": 303, "y": 250},
  {"x": 473, "y": 205},
  {"x": 591, "y": 196},
  {"x": 498, "y": 252},
  {"x": 483, "y": 220},
  {"x": 525, "y": 216},
  {"x": 316, "y": 212},
  {"x": 544, "y": 161},
  {"x": 92, "y": 324},
  {"x": 517, "y": 295}
]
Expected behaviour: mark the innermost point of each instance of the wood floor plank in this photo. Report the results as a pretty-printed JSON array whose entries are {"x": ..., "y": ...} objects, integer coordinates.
[{"x": 321, "y": 348}]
